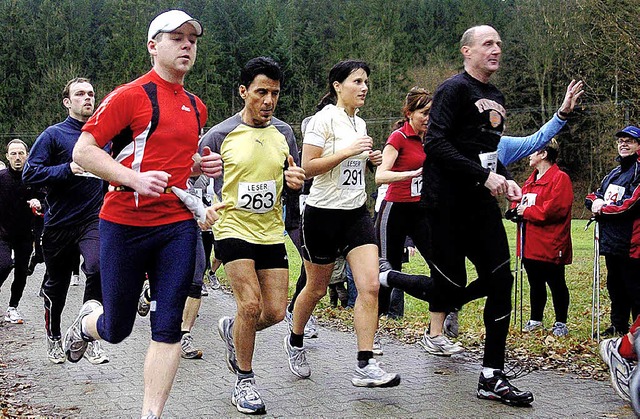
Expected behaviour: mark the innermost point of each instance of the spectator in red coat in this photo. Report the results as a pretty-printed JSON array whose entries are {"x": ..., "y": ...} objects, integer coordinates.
[{"x": 545, "y": 211}]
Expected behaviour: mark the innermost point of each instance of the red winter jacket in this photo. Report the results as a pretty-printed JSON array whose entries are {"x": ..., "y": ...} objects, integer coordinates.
[{"x": 547, "y": 218}]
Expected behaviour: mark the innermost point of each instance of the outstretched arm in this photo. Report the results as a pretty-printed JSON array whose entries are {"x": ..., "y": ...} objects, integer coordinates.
[{"x": 512, "y": 149}]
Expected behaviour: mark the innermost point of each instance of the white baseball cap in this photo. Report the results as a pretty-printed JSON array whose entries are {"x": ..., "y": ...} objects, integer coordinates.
[{"x": 170, "y": 21}]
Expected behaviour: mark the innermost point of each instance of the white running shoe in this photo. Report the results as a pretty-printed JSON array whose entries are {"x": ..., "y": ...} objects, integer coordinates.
[
  {"x": 533, "y": 325},
  {"x": 95, "y": 353},
  {"x": 13, "y": 316},
  {"x": 297, "y": 358},
  {"x": 75, "y": 344},
  {"x": 144, "y": 303},
  {"x": 372, "y": 375},
  {"x": 377, "y": 345},
  {"x": 619, "y": 368},
  {"x": 54, "y": 351},
  {"x": 246, "y": 397},
  {"x": 439, "y": 345},
  {"x": 75, "y": 280}
]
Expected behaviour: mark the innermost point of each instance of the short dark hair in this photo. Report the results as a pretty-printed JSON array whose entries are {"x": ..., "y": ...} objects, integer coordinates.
[
  {"x": 67, "y": 88},
  {"x": 260, "y": 65}
]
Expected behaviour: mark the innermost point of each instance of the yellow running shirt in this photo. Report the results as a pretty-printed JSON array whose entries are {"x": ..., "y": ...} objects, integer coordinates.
[{"x": 254, "y": 160}]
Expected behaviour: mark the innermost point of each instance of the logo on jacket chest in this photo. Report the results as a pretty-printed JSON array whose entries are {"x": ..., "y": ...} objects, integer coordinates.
[{"x": 497, "y": 113}]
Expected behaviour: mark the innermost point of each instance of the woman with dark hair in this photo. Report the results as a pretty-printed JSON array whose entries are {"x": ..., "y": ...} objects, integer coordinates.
[
  {"x": 401, "y": 214},
  {"x": 336, "y": 222},
  {"x": 545, "y": 211}
]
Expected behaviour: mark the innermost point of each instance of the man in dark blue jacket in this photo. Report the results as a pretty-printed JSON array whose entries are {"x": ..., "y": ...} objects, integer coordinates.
[
  {"x": 615, "y": 205},
  {"x": 74, "y": 199}
]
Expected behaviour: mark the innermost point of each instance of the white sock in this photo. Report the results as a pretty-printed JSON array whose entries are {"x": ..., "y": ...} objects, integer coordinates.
[
  {"x": 487, "y": 372},
  {"x": 383, "y": 279},
  {"x": 83, "y": 326}
]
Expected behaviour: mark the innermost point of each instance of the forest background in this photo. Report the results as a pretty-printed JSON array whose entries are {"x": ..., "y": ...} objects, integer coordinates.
[{"x": 546, "y": 43}]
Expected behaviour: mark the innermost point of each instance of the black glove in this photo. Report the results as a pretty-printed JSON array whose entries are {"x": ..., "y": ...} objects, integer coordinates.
[{"x": 512, "y": 215}]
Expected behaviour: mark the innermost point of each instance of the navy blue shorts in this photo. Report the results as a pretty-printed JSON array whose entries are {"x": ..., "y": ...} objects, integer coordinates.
[{"x": 167, "y": 254}]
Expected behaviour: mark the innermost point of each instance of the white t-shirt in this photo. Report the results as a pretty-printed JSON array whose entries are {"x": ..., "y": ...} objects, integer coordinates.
[{"x": 343, "y": 187}]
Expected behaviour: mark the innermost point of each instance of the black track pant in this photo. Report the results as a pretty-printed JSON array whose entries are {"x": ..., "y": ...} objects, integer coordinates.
[
  {"x": 21, "y": 247},
  {"x": 60, "y": 247},
  {"x": 473, "y": 231},
  {"x": 623, "y": 284}
]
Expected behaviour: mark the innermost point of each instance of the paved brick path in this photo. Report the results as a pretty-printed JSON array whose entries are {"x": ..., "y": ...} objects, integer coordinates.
[{"x": 431, "y": 386}]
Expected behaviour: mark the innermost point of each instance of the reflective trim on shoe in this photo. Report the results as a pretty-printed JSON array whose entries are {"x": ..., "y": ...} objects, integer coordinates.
[
  {"x": 144, "y": 305},
  {"x": 311, "y": 328},
  {"x": 214, "y": 282},
  {"x": 288, "y": 318},
  {"x": 560, "y": 329},
  {"x": 297, "y": 358},
  {"x": 54, "y": 351},
  {"x": 95, "y": 353},
  {"x": 619, "y": 368},
  {"x": 384, "y": 265},
  {"x": 74, "y": 342},
  {"x": 634, "y": 385},
  {"x": 532, "y": 325},
  {"x": 500, "y": 389},
  {"x": 189, "y": 351},
  {"x": 246, "y": 398},
  {"x": 13, "y": 316},
  {"x": 377, "y": 345},
  {"x": 439, "y": 345},
  {"x": 225, "y": 330},
  {"x": 372, "y": 375},
  {"x": 451, "y": 328}
]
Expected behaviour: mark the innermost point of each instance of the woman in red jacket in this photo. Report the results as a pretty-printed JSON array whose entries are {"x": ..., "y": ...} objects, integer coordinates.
[{"x": 546, "y": 215}]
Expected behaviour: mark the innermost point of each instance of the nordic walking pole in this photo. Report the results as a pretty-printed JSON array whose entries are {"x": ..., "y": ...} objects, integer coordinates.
[
  {"x": 596, "y": 278},
  {"x": 518, "y": 276},
  {"x": 521, "y": 226},
  {"x": 595, "y": 287}
]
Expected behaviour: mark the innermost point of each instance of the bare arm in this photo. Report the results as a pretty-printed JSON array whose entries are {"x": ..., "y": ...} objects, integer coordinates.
[
  {"x": 92, "y": 158},
  {"x": 313, "y": 164},
  {"x": 384, "y": 174}
]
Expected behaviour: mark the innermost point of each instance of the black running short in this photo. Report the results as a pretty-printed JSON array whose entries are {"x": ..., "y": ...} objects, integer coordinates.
[
  {"x": 265, "y": 256},
  {"x": 329, "y": 233}
]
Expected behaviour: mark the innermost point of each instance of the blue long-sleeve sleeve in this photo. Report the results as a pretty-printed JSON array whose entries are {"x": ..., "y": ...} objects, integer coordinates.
[
  {"x": 44, "y": 166},
  {"x": 512, "y": 149},
  {"x": 70, "y": 199}
]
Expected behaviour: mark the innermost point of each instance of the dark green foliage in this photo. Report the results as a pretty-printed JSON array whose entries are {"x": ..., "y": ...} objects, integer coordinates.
[{"x": 43, "y": 43}]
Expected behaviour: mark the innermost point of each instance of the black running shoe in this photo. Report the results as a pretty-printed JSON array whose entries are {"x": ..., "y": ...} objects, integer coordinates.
[{"x": 500, "y": 389}]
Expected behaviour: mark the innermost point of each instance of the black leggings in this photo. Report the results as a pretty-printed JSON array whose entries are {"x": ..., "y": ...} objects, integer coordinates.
[
  {"x": 396, "y": 221},
  {"x": 539, "y": 274},
  {"x": 458, "y": 232}
]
